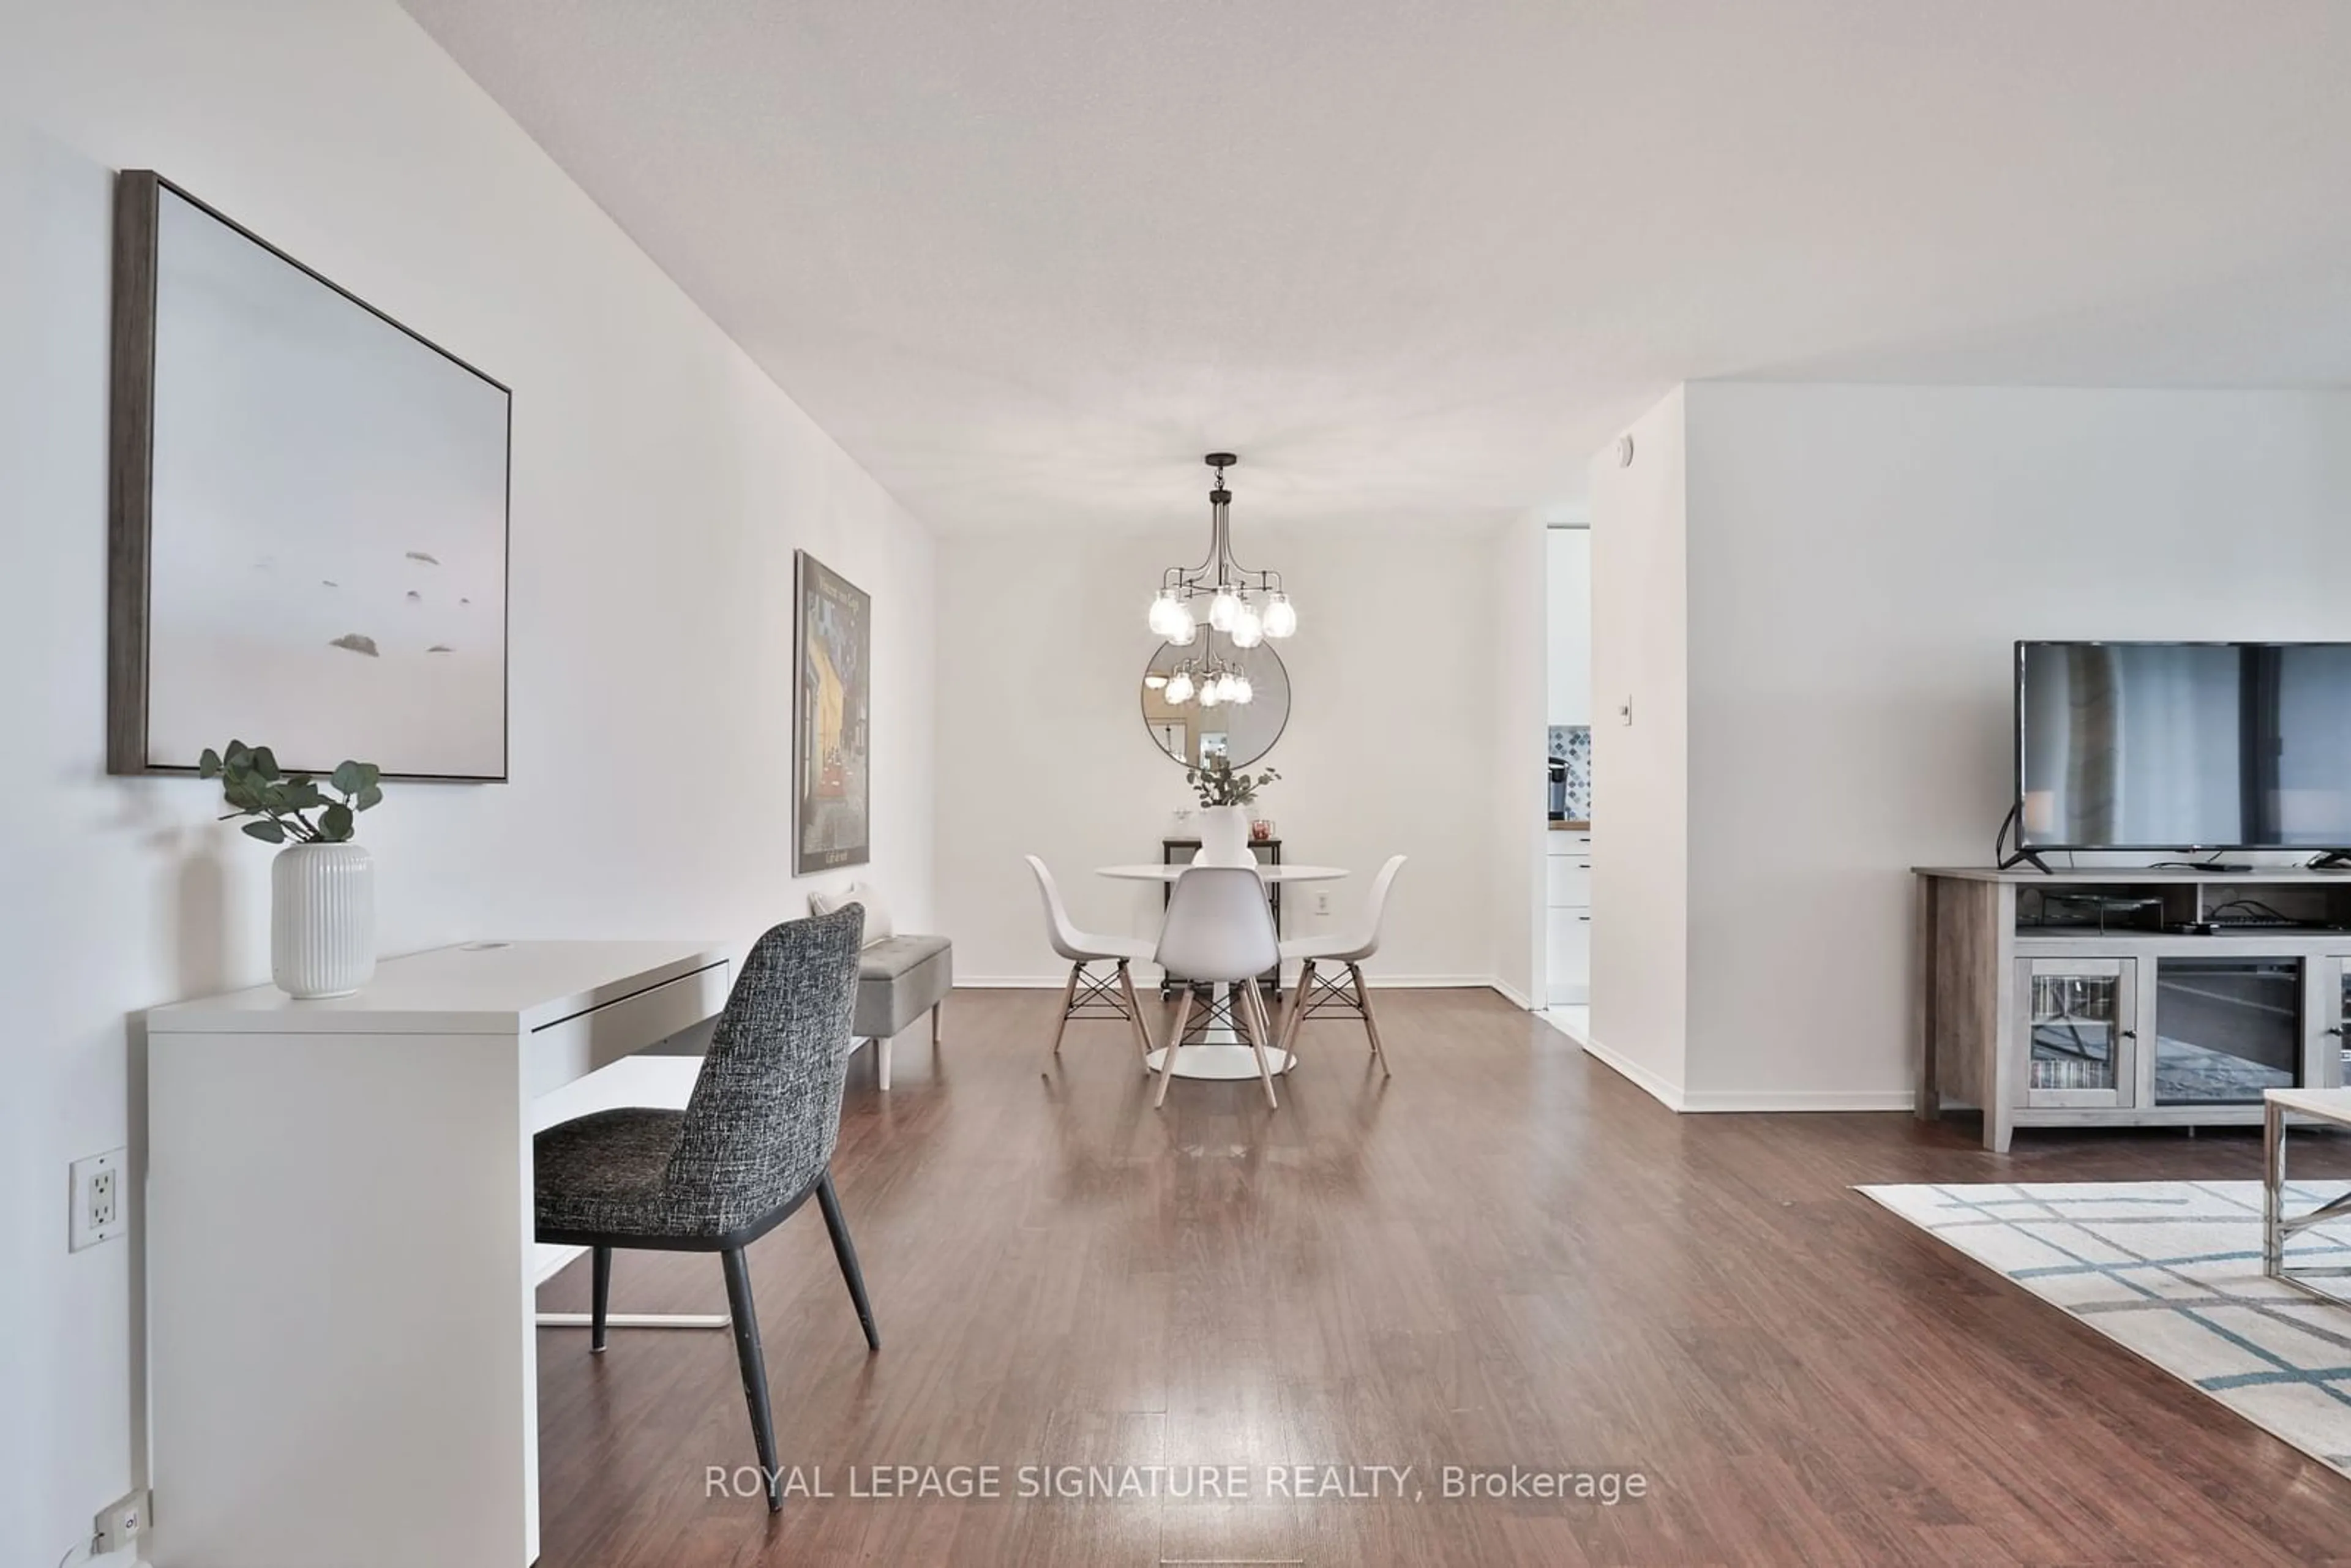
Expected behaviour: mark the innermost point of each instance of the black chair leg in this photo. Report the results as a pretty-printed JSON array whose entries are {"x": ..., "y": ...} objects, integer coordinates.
[
  {"x": 754, "y": 1362},
  {"x": 599, "y": 1264},
  {"x": 846, "y": 1250}
]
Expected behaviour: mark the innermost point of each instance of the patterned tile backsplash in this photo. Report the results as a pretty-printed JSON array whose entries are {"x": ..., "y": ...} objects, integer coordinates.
[{"x": 1572, "y": 744}]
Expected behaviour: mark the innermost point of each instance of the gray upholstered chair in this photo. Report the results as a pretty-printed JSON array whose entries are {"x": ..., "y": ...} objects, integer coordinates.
[{"x": 754, "y": 1140}]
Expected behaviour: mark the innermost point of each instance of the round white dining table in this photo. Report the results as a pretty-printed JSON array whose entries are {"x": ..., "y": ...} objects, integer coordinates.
[
  {"x": 1219, "y": 1052},
  {"x": 1149, "y": 871}
]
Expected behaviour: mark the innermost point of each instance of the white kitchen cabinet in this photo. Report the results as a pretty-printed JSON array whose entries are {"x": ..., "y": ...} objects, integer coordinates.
[
  {"x": 1568, "y": 964},
  {"x": 1567, "y": 881},
  {"x": 1567, "y": 899}
]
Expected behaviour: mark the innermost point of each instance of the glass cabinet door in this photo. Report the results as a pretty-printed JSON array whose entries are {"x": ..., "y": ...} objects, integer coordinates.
[
  {"x": 2225, "y": 1029},
  {"x": 2080, "y": 1021},
  {"x": 2330, "y": 995}
]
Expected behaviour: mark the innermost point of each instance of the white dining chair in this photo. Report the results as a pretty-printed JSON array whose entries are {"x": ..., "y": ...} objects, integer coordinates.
[
  {"x": 1317, "y": 996},
  {"x": 1088, "y": 995},
  {"x": 1219, "y": 932}
]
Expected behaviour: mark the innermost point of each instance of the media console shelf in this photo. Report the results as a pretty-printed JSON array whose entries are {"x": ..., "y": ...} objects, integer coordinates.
[{"x": 2128, "y": 996}]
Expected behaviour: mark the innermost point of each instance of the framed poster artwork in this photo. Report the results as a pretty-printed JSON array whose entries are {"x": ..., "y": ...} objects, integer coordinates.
[
  {"x": 831, "y": 747},
  {"x": 308, "y": 515}
]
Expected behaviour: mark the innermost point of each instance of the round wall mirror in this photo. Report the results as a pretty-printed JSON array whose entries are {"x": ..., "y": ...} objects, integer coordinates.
[{"x": 1192, "y": 731}]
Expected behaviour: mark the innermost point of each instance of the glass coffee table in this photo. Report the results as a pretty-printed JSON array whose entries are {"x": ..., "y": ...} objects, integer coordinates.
[{"x": 2329, "y": 1105}]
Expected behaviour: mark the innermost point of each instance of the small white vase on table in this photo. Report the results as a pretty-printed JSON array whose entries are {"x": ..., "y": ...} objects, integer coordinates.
[
  {"x": 1225, "y": 799},
  {"x": 323, "y": 885},
  {"x": 1224, "y": 837},
  {"x": 321, "y": 920}
]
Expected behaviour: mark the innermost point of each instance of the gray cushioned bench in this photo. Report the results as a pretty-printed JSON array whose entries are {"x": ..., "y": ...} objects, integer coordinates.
[{"x": 899, "y": 978}]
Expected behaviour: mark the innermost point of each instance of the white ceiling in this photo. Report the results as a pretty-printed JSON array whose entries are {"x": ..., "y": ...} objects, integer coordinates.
[{"x": 1417, "y": 259}]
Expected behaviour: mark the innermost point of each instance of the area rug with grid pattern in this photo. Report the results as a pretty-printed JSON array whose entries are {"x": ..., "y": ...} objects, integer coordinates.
[{"x": 2172, "y": 1271}]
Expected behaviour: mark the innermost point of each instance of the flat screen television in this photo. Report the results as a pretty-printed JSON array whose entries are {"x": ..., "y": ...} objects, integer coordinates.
[{"x": 2183, "y": 746}]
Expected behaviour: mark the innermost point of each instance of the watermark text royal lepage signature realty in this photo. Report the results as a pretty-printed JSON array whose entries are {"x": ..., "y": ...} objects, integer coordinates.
[{"x": 1186, "y": 1483}]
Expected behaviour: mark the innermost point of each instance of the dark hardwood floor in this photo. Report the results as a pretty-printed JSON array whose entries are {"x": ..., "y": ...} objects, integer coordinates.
[{"x": 1506, "y": 1255}]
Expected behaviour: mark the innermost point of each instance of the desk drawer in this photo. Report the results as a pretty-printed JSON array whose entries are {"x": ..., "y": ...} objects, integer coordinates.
[
  {"x": 577, "y": 1046},
  {"x": 1567, "y": 881}
]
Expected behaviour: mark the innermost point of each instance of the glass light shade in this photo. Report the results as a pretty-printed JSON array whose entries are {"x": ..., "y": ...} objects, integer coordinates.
[
  {"x": 1180, "y": 688},
  {"x": 1212, "y": 692},
  {"x": 1223, "y": 608},
  {"x": 1155, "y": 682},
  {"x": 1248, "y": 629},
  {"x": 1242, "y": 691},
  {"x": 1185, "y": 629},
  {"x": 1281, "y": 617},
  {"x": 1164, "y": 608}
]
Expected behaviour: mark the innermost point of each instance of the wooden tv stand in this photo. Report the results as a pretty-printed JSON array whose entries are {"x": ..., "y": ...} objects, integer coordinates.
[{"x": 2074, "y": 999}]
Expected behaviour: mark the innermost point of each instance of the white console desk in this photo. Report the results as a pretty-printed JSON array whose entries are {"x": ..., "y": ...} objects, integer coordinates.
[{"x": 341, "y": 1260}]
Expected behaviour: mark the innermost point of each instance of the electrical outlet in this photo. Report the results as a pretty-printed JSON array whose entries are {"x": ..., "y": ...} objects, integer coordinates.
[
  {"x": 1321, "y": 903},
  {"x": 97, "y": 1200},
  {"x": 120, "y": 1523}
]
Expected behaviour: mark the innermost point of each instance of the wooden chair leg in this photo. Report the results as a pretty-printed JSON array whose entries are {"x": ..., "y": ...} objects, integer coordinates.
[
  {"x": 935, "y": 1024},
  {"x": 846, "y": 1253},
  {"x": 1174, "y": 1043},
  {"x": 753, "y": 1363},
  {"x": 1134, "y": 1013},
  {"x": 881, "y": 1058},
  {"x": 1298, "y": 995},
  {"x": 1249, "y": 1007},
  {"x": 1371, "y": 1020},
  {"x": 599, "y": 1265},
  {"x": 1069, "y": 992}
]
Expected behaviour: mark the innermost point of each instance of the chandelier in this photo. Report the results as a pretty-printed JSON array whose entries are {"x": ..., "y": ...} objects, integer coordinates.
[
  {"x": 1247, "y": 607},
  {"x": 1210, "y": 681}
]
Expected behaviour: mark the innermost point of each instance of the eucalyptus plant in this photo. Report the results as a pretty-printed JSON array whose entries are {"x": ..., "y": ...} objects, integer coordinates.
[
  {"x": 253, "y": 787},
  {"x": 1218, "y": 785}
]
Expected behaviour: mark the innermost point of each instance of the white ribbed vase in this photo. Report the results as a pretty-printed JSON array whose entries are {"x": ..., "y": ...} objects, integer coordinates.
[
  {"x": 1225, "y": 837},
  {"x": 321, "y": 920}
]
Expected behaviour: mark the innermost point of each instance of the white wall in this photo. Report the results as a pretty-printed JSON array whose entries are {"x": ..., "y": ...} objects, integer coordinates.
[
  {"x": 1567, "y": 624},
  {"x": 1859, "y": 562},
  {"x": 660, "y": 486},
  {"x": 1518, "y": 787},
  {"x": 1389, "y": 749},
  {"x": 1641, "y": 562}
]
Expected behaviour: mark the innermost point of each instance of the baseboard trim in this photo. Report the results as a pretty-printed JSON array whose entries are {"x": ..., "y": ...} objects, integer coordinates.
[
  {"x": 1512, "y": 995},
  {"x": 1551, "y": 1016},
  {"x": 1428, "y": 982},
  {"x": 1668, "y": 1095},
  {"x": 1708, "y": 1100}
]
